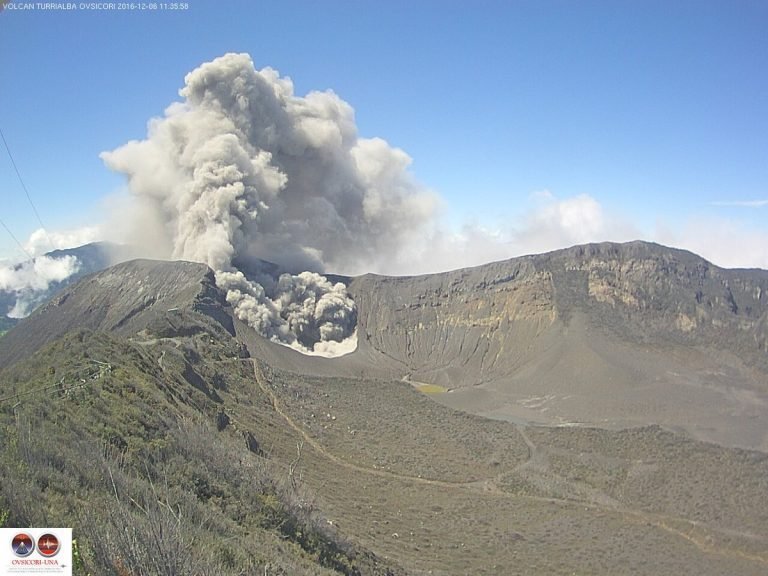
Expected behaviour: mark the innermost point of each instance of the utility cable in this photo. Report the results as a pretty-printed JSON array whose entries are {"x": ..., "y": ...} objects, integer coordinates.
[
  {"x": 29, "y": 198},
  {"x": 21, "y": 246}
]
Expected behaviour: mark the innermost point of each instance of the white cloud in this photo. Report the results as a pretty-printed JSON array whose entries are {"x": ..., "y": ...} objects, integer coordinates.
[
  {"x": 741, "y": 203},
  {"x": 39, "y": 241},
  {"x": 558, "y": 223},
  {"x": 438, "y": 250},
  {"x": 728, "y": 243},
  {"x": 30, "y": 280},
  {"x": 552, "y": 223},
  {"x": 549, "y": 223}
]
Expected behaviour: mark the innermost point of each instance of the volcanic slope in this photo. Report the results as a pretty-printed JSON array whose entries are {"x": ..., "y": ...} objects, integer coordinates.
[
  {"x": 146, "y": 406},
  {"x": 187, "y": 414},
  {"x": 613, "y": 335},
  {"x": 609, "y": 335},
  {"x": 90, "y": 258},
  {"x": 120, "y": 416},
  {"x": 125, "y": 300}
]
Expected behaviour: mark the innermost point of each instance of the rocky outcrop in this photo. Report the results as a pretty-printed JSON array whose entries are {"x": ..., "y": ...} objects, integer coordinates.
[
  {"x": 476, "y": 324},
  {"x": 458, "y": 325},
  {"x": 646, "y": 292},
  {"x": 163, "y": 298},
  {"x": 609, "y": 334},
  {"x": 604, "y": 334}
]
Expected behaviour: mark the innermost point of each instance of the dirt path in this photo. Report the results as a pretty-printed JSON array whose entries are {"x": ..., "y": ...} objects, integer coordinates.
[
  {"x": 535, "y": 458},
  {"x": 537, "y": 461},
  {"x": 262, "y": 382}
]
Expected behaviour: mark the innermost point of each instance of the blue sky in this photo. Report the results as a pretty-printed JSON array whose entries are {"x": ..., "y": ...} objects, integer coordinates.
[{"x": 538, "y": 123}]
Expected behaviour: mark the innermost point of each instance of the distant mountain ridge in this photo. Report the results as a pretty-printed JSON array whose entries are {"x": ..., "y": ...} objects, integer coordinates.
[
  {"x": 638, "y": 291},
  {"x": 90, "y": 257},
  {"x": 137, "y": 408},
  {"x": 594, "y": 333},
  {"x": 615, "y": 334}
]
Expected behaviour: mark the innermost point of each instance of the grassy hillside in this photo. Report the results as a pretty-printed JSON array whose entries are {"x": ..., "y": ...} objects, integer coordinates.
[
  {"x": 134, "y": 445},
  {"x": 131, "y": 409},
  {"x": 180, "y": 455}
]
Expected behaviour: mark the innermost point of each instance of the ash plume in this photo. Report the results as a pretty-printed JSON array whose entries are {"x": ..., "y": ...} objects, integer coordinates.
[{"x": 242, "y": 169}]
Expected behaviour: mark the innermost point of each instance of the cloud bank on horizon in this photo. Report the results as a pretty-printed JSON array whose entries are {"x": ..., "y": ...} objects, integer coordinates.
[{"x": 30, "y": 281}]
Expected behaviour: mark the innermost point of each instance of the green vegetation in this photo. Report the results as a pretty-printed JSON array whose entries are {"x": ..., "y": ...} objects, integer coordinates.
[
  {"x": 169, "y": 451},
  {"x": 431, "y": 388},
  {"x": 133, "y": 445}
]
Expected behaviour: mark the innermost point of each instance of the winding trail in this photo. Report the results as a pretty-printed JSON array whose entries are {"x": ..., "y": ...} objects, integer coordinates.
[
  {"x": 536, "y": 460},
  {"x": 534, "y": 455},
  {"x": 262, "y": 382}
]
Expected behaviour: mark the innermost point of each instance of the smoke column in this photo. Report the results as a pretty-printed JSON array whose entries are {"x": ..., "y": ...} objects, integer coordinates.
[{"x": 242, "y": 169}]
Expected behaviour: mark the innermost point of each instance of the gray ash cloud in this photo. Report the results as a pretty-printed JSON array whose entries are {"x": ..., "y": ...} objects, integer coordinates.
[{"x": 242, "y": 169}]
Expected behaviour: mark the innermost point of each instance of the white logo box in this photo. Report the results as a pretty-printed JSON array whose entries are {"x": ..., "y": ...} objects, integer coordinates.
[{"x": 36, "y": 551}]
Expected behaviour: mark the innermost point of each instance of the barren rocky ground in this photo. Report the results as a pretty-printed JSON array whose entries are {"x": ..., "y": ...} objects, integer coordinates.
[{"x": 384, "y": 461}]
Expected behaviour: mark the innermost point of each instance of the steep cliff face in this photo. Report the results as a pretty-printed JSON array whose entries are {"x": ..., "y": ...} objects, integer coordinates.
[
  {"x": 606, "y": 334},
  {"x": 458, "y": 326},
  {"x": 649, "y": 291},
  {"x": 484, "y": 323}
]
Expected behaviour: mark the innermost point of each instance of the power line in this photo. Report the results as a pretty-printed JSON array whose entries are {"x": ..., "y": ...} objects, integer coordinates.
[
  {"x": 29, "y": 198},
  {"x": 16, "y": 240}
]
